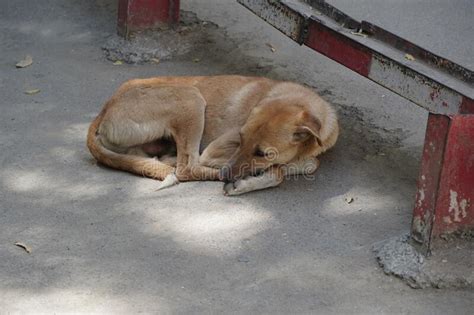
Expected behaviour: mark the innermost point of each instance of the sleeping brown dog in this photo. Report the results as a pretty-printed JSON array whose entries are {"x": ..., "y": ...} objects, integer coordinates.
[{"x": 250, "y": 132}]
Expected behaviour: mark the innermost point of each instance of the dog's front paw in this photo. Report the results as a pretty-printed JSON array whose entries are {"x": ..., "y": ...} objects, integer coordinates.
[
  {"x": 229, "y": 189},
  {"x": 232, "y": 189}
]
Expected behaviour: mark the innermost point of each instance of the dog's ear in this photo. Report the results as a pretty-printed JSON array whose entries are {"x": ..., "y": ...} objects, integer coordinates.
[{"x": 308, "y": 126}]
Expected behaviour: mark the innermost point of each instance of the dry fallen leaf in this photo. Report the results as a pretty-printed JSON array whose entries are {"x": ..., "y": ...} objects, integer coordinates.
[
  {"x": 27, "y": 61},
  {"x": 359, "y": 33},
  {"x": 409, "y": 57},
  {"x": 118, "y": 63},
  {"x": 349, "y": 199},
  {"x": 32, "y": 91},
  {"x": 155, "y": 60},
  {"x": 272, "y": 48},
  {"x": 184, "y": 30},
  {"x": 22, "y": 245}
]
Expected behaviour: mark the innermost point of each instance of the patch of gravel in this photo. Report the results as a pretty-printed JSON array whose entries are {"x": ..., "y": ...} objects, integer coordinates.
[
  {"x": 450, "y": 267},
  {"x": 161, "y": 44}
]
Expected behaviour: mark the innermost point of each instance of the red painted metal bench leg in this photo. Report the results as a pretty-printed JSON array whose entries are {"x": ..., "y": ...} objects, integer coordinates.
[
  {"x": 137, "y": 15},
  {"x": 445, "y": 192}
]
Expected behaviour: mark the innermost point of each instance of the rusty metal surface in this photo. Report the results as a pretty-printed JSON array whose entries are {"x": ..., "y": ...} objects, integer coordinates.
[
  {"x": 428, "y": 180},
  {"x": 284, "y": 18},
  {"x": 418, "y": 52},
  {"x": 467, "y": 106},
  {"x": 439, "y": 26},
  {"x": 430, "y": 81},
  {"x": 335, "y": 14},
  {"x": 430, "y": 94},
  {"x": 445, "y": 190},
  {"x": 137, "y": 15},
  {"x": 388, "y": 38},
  {"x": 346, "y": 52},
  {"x": 174, "y": 11},
  {"x": 455, "y": 205}
]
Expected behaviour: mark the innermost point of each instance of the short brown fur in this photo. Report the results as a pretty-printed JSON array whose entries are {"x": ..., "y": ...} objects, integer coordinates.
[{"x": 223, "y": 128}]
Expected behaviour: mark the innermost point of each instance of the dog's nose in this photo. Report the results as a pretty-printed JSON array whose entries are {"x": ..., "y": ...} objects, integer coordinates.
[{"x": 225, "y": 173}]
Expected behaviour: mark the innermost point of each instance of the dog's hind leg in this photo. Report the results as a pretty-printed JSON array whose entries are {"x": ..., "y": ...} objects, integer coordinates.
[
  {"x": 188, "y": 139},
  {"x": 117, "y": 136},
  {"x": 219, "y": 151},
  {"x": 133, "y": 160}
]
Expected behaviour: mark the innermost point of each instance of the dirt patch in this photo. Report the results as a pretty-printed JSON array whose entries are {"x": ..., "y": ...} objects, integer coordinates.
[
  {"x": 160, "y": 44},
  {"x": 192, "y": 40},
  {"x": 366, "y": 140}
]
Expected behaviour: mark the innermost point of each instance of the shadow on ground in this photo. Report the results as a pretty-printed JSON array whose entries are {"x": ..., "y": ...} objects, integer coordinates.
[{"x": 106, "y": 241}]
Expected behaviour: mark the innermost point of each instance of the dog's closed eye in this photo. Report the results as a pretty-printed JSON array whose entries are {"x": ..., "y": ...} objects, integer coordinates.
[{"x": 259, "y": 153}]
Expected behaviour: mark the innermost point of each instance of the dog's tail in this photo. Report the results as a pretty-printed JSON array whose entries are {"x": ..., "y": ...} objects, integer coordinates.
[{"x": 149, "y": 167}]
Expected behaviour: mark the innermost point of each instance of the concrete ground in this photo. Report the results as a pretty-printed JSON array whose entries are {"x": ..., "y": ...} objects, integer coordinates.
[{"x": 104, "y": 241}]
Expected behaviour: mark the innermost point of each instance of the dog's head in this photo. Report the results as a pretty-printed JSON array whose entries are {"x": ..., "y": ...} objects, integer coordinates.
[{"x": 275, "y": 133}]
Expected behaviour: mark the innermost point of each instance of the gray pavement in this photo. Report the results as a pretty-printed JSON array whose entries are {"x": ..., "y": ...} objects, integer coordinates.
[{"x": 104, "y": 241}]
